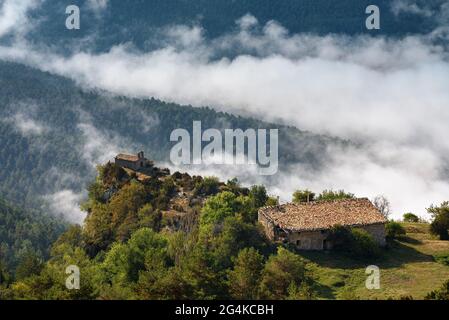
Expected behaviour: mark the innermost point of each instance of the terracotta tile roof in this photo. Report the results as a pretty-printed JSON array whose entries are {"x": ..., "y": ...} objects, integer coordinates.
[
  {"x": 127, "y": 157},
  {"x": 322, "y": 215}
]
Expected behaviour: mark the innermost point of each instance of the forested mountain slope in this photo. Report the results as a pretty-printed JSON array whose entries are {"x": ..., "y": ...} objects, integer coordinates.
[
  {"x": 25, "y": 234},
  {"x": 136, "y": 20}
]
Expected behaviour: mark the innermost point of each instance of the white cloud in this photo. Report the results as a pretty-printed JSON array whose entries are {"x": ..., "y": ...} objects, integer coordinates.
[
  {"x": 26, "y": 125},
  {"x": 66, "y": 203},
  {"x": 184, "y": 36},
  {"x": 97, "y": 5},
  {"x": 13, "y": 15},
  {"x": 147, "y": 121},
  {"x": 410, "y": 6},
  {"x": 98, "y": 147},
  {"x": 409, "y": 178},
  {"x": 435, "y": 11},
  {"x": 247, "y": 21}
]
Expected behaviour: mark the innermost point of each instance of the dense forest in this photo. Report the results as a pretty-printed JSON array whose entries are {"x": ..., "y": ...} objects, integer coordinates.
[
  {"x": 137, "y": 21},
  {"x": 25, "y": 236}
]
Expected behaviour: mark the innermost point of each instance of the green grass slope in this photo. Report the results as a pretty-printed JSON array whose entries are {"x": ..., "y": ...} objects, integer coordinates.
[{"x": 411, "y": 267}]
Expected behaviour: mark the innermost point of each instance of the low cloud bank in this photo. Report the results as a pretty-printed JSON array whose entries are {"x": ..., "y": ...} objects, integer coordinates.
[
  {"x": 26, "y": 125},
  {"x": 66, "y": 203},
  {"x": 96, "y": 147}
]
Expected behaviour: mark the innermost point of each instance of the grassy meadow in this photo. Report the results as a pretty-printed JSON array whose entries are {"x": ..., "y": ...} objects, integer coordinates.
[{"x": 410, "y": 267}]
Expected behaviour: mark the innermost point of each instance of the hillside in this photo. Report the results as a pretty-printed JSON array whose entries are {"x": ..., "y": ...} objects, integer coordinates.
[
  {"x": 24, "y": 234},
  {"x": 176, "y": 236},
  {"x": 148, "y": 240}
]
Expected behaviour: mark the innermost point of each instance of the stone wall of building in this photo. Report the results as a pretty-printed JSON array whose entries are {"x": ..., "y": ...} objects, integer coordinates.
[
  {"x": 316, "y": 240},
  {"x": 308, "y": 240},
  {"x": 378, "y": 232},
  {"x": 127, "y": 164},
  {"x": 268, "y": 226}
]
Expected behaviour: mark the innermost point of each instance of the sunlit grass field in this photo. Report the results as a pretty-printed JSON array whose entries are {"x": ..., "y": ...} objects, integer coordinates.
[{"x": 411, "y": 267}]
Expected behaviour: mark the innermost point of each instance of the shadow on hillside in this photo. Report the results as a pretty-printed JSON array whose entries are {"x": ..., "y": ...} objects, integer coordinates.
[
  {"x": 395, "y": 255},
  {"x": 410, "y": 240},
  {"x": 324, "y": 291}
]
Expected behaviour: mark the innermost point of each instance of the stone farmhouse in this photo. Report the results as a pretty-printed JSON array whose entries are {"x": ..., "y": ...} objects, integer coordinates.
[
  {"x": 307, "y": 225},
  {"x": 134, "y": 162}
]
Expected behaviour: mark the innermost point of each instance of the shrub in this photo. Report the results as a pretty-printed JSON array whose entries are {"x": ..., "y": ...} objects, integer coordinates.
[
  {"x": 272, "y": 201},
  {"x": 442, "y": 258},
  {"x": 440, "y": 223},
  {"x": 244, "y": 278},
  {"x": 207, "y": 186},
  {"x": 111, "y": 174},
  {"x": 329, "y": 195},
  {"x": 300, "y": 196},
  {"x": 363, "y": 244},
  {"x": 258, "y": 196},
  {"x": 394, "y": 230},
  {"x": 283, "y": 276},
  {"x": 356, "y": 243},
  {"x": 150, "y": 218},
  {"x": 410, "y": 217},
  {"x": 440, "y": 294}
]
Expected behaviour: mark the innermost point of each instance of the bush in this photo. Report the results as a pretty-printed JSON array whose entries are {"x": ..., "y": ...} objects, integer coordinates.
[
  {"x": 244, "y": 278},
  {"x": 440, "y": 294},
  {"x": 300, "y": 196},
  {"x": 284, "y": 275},
  {"x": 272, "y": 201},
  {"x": 410, "y": 217},
  {"x": 206, "y": 187},
  {"x": 440, "y": 223},
  {"x": 258, "y": 196},
  {"x": 442, "y": 258},
  {"x": 394, "y": 230},
  {"x": 356, "y": 243},
  {"x": 329, "y": 195},
  {"x": 363, "y": 244}
]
